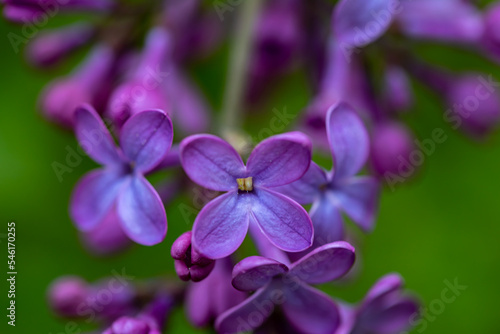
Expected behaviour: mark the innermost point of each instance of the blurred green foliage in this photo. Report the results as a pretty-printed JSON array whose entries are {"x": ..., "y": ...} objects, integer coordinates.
[{"x": 441, "y": 225}]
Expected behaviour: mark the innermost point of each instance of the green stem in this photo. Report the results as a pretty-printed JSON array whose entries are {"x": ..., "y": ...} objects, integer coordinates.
[{"x": 236, "y": 81}]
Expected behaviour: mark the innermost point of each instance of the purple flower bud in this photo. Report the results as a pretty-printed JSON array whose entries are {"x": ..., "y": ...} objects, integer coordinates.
[
  {"x": 61, "y": 97},
  {"x": 189, "y": 263},
  {"x": 129, "y": 325},
  {"x": 474, "y": 102},
  {"x": 66, "y": 294},
  {"x": 143, "y": 89},
  {"x": 390, "y": 143},
  {"x": 491, "y": 34},
  {"x": 51, "y": 46},
  {"x": 398, "y": 94}
]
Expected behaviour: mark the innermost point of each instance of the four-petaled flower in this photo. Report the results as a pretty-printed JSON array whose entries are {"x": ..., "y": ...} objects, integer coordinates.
[
  {"x": 144, "y": 140},
  {"x": 339, "y": 189},
  {"x": 307, "y": 309},
  {"x": 222, "y": 224}
]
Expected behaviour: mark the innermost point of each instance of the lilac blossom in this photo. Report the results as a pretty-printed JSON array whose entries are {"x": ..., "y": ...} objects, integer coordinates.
[
  {"x": 384, "y": 310},
  {"x": 207, "y": 299},
  {"x": 149, "y": 321},
  {"x": 144, "y": 141},
  {"x": 50, "y": 46},
  {"x": 339, "y": 190},
  {"x": 62, "y": 96},
  {"x": 143, "y": 88},
  {"x": 275, "y": 283},
  {"x": 222, "y": 224},
  {"x": 34, "y": 10},
  {"x": 189, "y": 263}
]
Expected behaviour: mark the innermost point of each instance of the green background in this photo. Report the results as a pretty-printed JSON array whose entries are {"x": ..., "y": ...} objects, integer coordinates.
[{"x": 441, "y": 225}]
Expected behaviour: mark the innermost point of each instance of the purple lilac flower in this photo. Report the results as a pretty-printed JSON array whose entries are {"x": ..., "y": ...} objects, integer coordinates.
[
  {"x": 151, "y": 320},
  {"x": 143, "y": 88},
  {"x": 51, "y": 46},
  {"x": 398, "y": 95},
  {"x": 222, "y": 224},
  {"x": 72, "y": 297},
  {"x": 307, "y": 309},
  {"x": 490, "y": 40},
  {"x": 385, "y": 310},
  {"x": 189, "y": 263},
  {"x": 339, "y": 190},
  {"x": 446, "y": 20},
  {"x": 107, "y": 237},
  {"x": 391, "y": 142},
  {"x": 207, "y": 299},
  {"x": 34, "y": 10},
  {"x": 62, "y": 96},
  {"x": 144, "y": 141}
]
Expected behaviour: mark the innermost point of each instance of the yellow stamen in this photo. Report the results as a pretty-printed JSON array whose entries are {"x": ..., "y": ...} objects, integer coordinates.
[{"x": 245, "y": 184}]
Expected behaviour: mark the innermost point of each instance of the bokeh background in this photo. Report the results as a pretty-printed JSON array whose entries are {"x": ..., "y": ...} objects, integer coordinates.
[{"x": 443, "y": 224}]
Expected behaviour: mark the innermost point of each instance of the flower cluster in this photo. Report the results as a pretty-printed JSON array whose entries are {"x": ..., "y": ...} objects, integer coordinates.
[{"x": 126, "y": 97}]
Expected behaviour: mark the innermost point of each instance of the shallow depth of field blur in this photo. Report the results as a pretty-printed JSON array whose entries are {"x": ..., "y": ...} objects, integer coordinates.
[{"x": 442, "y": 225}]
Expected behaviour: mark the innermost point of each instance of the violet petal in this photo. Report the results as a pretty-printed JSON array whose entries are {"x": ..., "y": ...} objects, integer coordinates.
[{"x": 254, "y": 272}]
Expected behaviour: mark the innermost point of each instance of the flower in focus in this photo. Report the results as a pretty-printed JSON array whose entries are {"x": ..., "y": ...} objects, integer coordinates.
[
  {"x": 339, "y": 190},
  {"x": 222, "y": 224},
  {"x": 274, "y": 283},
  {"x": 189, "y": 263},
  {"x": 144, "y": 141}
]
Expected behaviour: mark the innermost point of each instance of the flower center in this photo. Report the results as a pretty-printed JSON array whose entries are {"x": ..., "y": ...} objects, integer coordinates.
[{"x": 245, "y": 184}]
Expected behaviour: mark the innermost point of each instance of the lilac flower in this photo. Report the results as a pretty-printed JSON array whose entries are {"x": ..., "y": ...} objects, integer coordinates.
[
  {"x": 331, "y": 192},
  {"x": 189, "y": 263},
  {"x": 385, "y": 310},
  {"x": 51, "y": 46},
  {"x": 72, "y": 297},
  {"x": 274, "y": 283},
  {"x": 145, "y": 139},
  {"x": 357, "y": 23},
  {"x": 447, "y": 20},
  {"x": 391, "y": 142},
  {"x": 35, "y": 10},
  {"x": 398, "y": 94},
  {"x": 207, "y": 299},
  {"x": 222, "y": 224},
  {"x": 62, "y": 96},
  {"x": 490, "y": 40},
  {"x": 143, "y": 88},
  {"x": 150, "y": 321}
]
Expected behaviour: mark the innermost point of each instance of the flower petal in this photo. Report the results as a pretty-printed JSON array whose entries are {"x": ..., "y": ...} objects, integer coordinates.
[
  {"x": 93, "y": 197},
  {"x": 359, "y": 197},
  {"x": 305, "y": 189},
  {"x": 254, "y": 272},
  {"x": 141, "y": 212},
  {"x": 310, "y": 310},
  {"x": 284, "y": 222},
  {"x": 221, "y": 226},
  {"x": 247, "y": 315},
  {"x": 348, "y": 139},
  {"x": 94, "y": 137},
  {"x": 325, "y": 264},
  {"x": 452, "y": 20},
  {"x": 327, "y": 221},
  {"x": 358, "y": 22},
  {"x": 280, "y": 159},
  {"x": 146, "y": 138},
  {"x": 385, "y": 285},
  {"x": 211, "y": 162}
]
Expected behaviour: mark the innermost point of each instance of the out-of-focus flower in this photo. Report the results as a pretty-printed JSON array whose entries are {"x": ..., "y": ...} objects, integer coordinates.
[
  {"x": 51, "y": 46},
  {"x": 398, "y": 95},
  {"x": 339, "y": 190},
  {"x": 385, "y": 310},
  {"x": 391, "y": 142},
  {"x": 23, "y": 11},
  {"x": 61, "y": 97},
  {"x": 143, "y": 88},
  {"x": 151, "y": 320},
  {"x": 222, "y": 224},
  {"x": 207, "y": 299},
  {"x": 145, "y": 139},
  {"x": 274, "y": 283},
  {"x": 189, "y": 263}
]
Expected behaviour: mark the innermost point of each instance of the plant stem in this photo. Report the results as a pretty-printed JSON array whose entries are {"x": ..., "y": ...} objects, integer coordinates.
[{"x": 236, "y": 81}]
